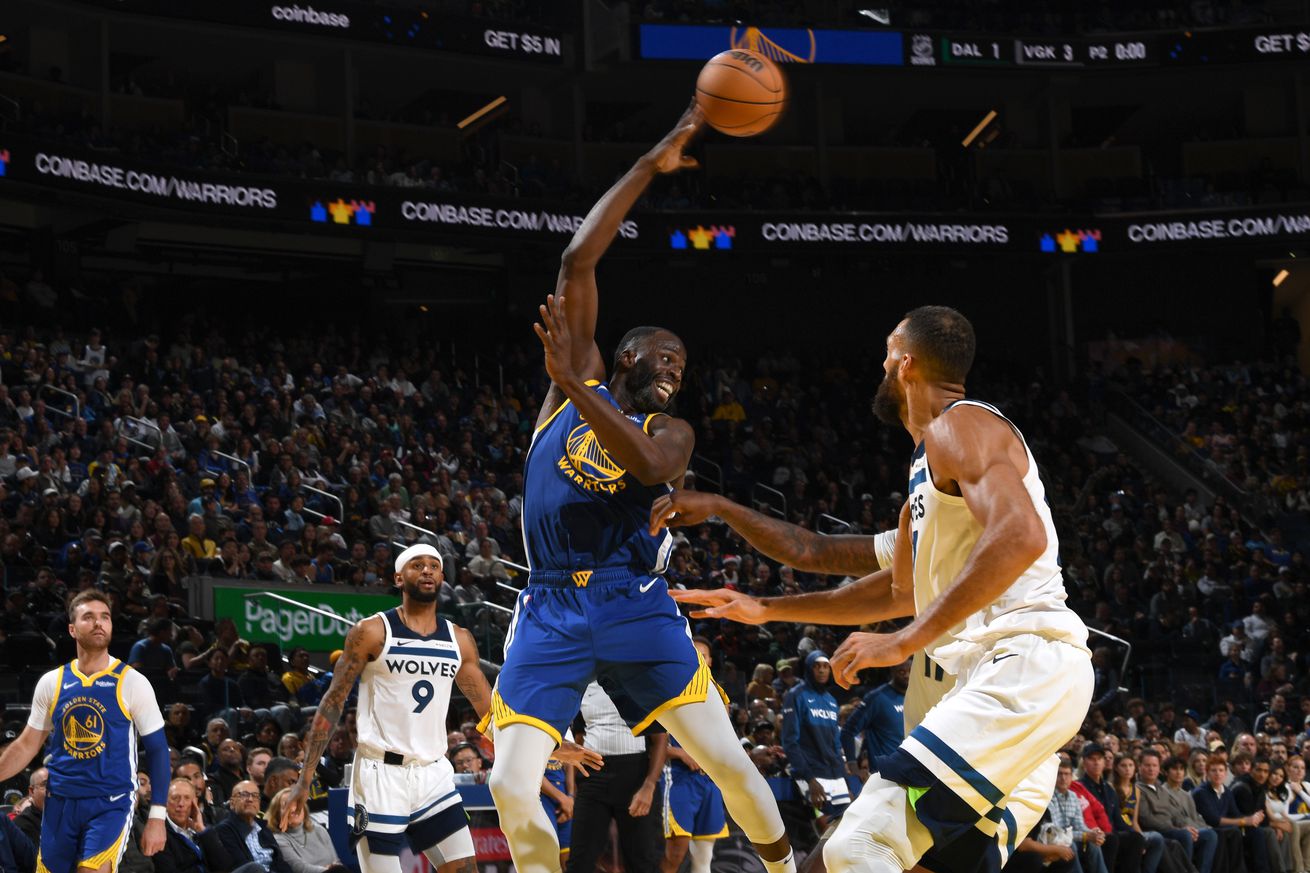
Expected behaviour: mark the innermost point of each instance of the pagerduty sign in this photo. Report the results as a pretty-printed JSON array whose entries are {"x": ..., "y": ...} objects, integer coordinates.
[{"x": 265, "y": 620}]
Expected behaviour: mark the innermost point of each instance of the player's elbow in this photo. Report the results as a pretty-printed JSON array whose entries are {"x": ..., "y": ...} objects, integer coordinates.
[
  {"x": 575, "y": 259},
  {"x": 655, "y": 471},
  {"x": 1028, "y": 539}
]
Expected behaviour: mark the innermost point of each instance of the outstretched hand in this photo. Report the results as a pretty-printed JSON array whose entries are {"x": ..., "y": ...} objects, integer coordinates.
[
  {"x": 862, "y": 650},
  {"x": 667, "y": 155},
  {"x": 556, "y": 339},
  {"x": 578, "y": 757},
  {"x": 723, "y": 603},
  {"x": 681, "y": 508}
]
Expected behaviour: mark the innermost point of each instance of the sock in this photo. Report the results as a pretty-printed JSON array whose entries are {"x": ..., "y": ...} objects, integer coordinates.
[{"x": 786, "y": 865}]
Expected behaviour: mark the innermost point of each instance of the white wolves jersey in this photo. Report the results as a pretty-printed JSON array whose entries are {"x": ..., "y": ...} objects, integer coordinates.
[
  {"x": 943, "y": 533},
  {"x": 404, "y": 694}
]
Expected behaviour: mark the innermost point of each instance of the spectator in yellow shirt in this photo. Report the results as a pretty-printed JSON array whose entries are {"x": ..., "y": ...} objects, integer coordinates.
[{"x": 196, "y": 543}]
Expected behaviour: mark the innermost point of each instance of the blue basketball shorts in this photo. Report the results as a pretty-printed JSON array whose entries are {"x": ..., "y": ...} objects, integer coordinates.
[
  {"x": 84, "y": 832},
  {"x": 609, "y": 625},
  {"x": 693, "y": 806}
]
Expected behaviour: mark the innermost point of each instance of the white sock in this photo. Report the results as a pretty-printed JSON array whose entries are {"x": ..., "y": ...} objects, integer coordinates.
[
  {"x": 702, "y": 854},
  {"x": 786, "y": 865}
]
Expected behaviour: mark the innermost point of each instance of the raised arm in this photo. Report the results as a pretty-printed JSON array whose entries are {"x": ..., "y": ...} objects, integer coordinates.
[
  {"x": 363, "y": 644},
  {"x": 782, "y": 541},
  {"x": 577, "y": 272},
  {"x": 654, "y": 454}
]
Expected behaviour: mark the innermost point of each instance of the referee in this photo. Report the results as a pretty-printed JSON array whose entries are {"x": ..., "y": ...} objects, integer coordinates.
[{"x": 626, "y": 791}]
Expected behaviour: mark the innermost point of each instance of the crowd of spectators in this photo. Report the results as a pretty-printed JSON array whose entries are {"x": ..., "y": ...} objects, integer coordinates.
[
  {"x": 1249, "y": 421},
  {"x": 212, "y": 450}
]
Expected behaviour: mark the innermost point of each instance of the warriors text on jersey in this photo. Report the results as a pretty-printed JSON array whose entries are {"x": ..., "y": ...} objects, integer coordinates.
[
  {"x": 404, "y": 694},
  {"x": 581, "y": 510},
  {"x": 95, "y": 722},
  {"x": 943, "y": 533}
]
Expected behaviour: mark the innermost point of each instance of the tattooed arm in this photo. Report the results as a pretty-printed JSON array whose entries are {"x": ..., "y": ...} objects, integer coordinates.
[
  {"x": 363, "y": 644},
  {"x": 470, "y": 678},
  {"x": 805, "y": 550}
]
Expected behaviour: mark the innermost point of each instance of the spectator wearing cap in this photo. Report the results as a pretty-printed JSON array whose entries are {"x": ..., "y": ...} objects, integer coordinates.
[
  {"x": 114, "y": 570},
  {"x": 1126, "y": 850},
  {"x": 811, "y": 738},
  {"x": 784, "y": 676},
  {"x": 26, "y": 491},
  {"x": 1191, "y": 732},
  {"x": 731, "y": 572}
]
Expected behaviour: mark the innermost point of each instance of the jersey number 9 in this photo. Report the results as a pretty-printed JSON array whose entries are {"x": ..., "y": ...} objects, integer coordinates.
[{"x": 423, "y": 694}]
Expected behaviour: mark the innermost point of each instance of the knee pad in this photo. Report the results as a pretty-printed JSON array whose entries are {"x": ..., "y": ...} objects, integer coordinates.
[{"x": 856, "y": 852}]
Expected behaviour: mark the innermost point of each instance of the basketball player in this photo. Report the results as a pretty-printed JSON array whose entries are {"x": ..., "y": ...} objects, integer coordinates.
[
  {"x": 986, "y": 585},
  {"x": 693, "y": 805},
  {"x": 402, "y": 786},
  {"x": 871, "y": 598},
  {"x": 596, "y": 606},
  {"x": 96, "y": 706}
]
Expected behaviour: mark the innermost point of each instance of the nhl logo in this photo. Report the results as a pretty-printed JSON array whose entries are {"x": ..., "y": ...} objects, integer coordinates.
[
  {"x": 361, "y": 819},
  {"x": 921, "y": 53}
]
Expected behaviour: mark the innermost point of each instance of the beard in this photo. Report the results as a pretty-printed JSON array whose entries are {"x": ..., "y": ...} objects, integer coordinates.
[
  {"x": 641, "y": 386},
  {"x": 418, "y": 595},
  {"x": 886, "y": 403}
]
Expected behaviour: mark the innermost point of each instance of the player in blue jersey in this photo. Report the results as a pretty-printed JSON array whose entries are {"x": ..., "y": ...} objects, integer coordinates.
[
  {"x": 96, "y": 707},
  {"x": 596, "y": 606}
]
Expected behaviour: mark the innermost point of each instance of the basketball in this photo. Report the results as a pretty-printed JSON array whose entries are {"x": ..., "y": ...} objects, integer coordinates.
[{"x": 741, "y": 92}]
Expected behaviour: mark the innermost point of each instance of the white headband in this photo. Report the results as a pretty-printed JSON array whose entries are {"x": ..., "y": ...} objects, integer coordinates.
[{"x": 413, "y": 552}]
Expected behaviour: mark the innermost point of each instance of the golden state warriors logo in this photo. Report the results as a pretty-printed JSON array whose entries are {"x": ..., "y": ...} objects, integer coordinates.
[
  {"x": 83, "y": 727},
  {"x": 587, "y": 463},
  {"x": 754, "y": 39}
]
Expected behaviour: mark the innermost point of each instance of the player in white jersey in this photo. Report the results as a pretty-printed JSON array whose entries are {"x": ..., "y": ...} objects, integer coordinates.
[
  {"x": 870, "y": 598},
  {"x": 402, "y": 789},
  {"x": 976, "y": 538}
]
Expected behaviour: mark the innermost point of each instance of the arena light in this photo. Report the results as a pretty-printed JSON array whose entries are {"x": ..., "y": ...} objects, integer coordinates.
[
  {"x": 499, "y": 101},
  {"x": 982, "y": 125},
  {"x": 1281, "y": 277}
]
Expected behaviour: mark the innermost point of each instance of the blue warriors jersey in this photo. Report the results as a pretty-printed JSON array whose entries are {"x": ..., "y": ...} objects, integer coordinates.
[
  {"x": 581, "y": 510},
  {"x": 93, "y": 741}
]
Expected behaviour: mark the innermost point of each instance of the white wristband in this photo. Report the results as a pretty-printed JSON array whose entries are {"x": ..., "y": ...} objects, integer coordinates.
[{"x": 157, "y": 812}]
